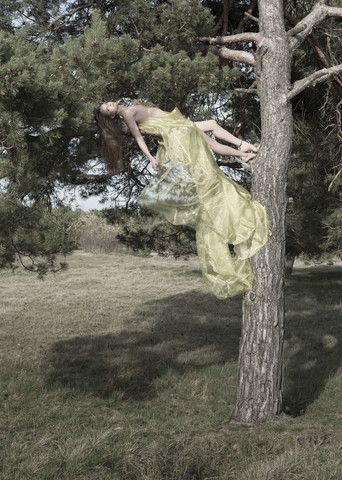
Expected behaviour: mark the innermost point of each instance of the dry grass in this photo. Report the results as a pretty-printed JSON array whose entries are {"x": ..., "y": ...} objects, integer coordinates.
[{"x": 125, "y": 368}]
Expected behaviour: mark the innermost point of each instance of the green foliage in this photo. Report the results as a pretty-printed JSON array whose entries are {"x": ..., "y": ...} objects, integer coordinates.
[
  {"x": 59, "y": 60},
  {"x": 309, "y": 201},
  {"x": 34, "y": 236},
  {"x": 313, "y": 225},
  {"x": 8, "y": 9},
  {"x": 146, "y": 233},
  {"x": 174, "y": 25},
  {"x": 53, "y": 73}
]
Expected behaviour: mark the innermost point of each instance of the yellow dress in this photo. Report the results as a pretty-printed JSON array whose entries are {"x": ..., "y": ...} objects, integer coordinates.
[{"x": 190, "y": 189}]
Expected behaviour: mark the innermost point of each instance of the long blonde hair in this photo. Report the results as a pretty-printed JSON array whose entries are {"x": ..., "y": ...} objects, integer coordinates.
[{"x": 111, "y": 141}]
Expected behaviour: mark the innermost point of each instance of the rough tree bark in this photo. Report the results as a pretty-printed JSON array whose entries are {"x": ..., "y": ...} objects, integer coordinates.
[
  {"x": 260, "y": 376},
  {"x": 261, "y": 347}
]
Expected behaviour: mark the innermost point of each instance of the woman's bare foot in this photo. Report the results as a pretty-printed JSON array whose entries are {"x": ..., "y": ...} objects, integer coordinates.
[
  {"x": 248, "y": 147},
  {"x": 247, "y": 157}
]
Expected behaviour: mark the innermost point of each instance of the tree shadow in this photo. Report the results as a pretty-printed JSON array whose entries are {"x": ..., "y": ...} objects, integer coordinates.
[
  {"x": 313, "y": 346},
  {"x": 192, "y": 331},
  {"x": 180, "y": 332}
]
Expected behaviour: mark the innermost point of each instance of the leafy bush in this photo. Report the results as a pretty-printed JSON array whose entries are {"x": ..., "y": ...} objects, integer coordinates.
[
  {"x": 35, "y": 236},
  {"x": 94, "y": 234},
  {"x": 146, "y": 232}
]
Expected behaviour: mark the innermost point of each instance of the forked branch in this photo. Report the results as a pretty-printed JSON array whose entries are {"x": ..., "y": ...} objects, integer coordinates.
[
  {"x": 70, "y": 14},
  {"x": 239, "y": 37},
  {"x": 316, "y": 77},
  {"x": 318, "y": 14},
  {"x": 228, "y": 54},
  {"x": 215, "y": 46}
]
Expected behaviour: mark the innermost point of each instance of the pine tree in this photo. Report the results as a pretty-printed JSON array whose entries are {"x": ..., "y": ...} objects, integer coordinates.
[{"x": 54, "y": 74}]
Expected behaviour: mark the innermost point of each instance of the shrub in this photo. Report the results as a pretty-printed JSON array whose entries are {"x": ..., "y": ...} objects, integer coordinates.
[
  {"x": 92, "y": 233},
  {"x": 146, "y": 232}
]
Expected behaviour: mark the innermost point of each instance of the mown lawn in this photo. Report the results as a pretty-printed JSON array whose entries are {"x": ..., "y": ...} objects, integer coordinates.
[{"x": 125, "y": 368}]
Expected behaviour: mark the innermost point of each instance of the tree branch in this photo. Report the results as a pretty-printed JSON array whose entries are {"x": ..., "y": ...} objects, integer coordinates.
[
  {"x": 314, "y": 43},
  {"x": 250, "y": 91},
  {"x": 235, "y": 164},
  {"x": 214, "y": 45},
  {"x": 251, "y": 17},
  {"x": 317, "y": 77},
  {"x": 334, "y": 179},
  {"x": 234, "y": 55},
  {"x": 297, "y": 29},
  {"x": 248, "y": 14},
  {"x": 319, "y": 13},
  {"x": 239, "y": 37},
  {"x": 81, "y": 7}
]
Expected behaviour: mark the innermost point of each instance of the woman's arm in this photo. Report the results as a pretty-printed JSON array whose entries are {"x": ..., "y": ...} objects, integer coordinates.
[{"x": 129, "y": 119}]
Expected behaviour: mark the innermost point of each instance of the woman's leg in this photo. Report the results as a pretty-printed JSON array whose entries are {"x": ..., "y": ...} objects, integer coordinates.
[
  {"x": 219, "y": 132},
  {"x": 225, "y": 150}
]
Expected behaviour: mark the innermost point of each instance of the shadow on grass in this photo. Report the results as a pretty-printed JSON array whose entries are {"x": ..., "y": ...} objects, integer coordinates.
[
  {"x": 180, "y": 333},
  {"x": 192, "y": 331},
  {"x": 313, "y": 349}
]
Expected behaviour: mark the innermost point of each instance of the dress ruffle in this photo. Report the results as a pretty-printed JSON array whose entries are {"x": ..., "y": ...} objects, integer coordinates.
[{"x": 190, "y": 189}]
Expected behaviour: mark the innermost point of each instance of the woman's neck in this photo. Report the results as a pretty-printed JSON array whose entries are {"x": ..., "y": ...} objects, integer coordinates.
[{"x": 121, "y": 109}]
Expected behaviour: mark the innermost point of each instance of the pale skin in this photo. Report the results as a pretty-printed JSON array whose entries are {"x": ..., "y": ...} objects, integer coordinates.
[{"x": 135, "y": 114}]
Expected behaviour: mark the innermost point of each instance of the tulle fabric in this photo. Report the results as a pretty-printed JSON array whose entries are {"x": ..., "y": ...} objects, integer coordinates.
[{"x": 190, "y": 189}]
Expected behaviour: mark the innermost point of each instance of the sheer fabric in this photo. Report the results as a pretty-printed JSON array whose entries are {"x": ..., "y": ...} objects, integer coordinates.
[{"x": 190, "y": 189}]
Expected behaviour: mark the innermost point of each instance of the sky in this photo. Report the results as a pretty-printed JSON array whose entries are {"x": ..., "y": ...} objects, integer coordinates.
[
  {"x": 87, "y": 204},
  {"x": 91, "y": 203}
]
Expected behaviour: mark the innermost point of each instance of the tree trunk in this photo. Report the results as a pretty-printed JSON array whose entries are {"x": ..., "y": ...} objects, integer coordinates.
[
  {"x": 289, "y": 262},
  {"x": 260, "y": 375}
]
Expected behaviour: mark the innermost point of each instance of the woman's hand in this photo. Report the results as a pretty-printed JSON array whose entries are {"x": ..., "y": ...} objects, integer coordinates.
[{"x": 154, "y": 163}]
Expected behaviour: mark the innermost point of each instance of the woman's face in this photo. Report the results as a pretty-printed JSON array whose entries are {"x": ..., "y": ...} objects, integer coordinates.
[{"x": 109, "y": 109}]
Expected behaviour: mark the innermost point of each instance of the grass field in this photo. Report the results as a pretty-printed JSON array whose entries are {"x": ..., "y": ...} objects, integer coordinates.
[{"x": 125, "y": 368}]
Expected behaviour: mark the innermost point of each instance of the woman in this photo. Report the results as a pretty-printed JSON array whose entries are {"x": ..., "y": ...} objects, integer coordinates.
[
  {"x": 136, "y": 114},
  {"x": 190, "y": 189}
]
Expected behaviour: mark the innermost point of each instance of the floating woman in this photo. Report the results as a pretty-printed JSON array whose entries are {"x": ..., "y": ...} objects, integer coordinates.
[{"x": 190, "y": 189}]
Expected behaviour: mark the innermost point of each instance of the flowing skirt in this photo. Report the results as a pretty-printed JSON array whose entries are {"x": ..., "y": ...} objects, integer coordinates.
[{"x": 190, "y": 189}]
